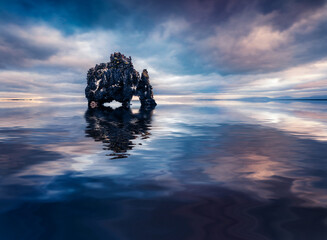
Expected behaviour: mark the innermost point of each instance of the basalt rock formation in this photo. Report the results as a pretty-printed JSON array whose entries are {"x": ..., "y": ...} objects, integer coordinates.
[{"x": 118, "y": 81}]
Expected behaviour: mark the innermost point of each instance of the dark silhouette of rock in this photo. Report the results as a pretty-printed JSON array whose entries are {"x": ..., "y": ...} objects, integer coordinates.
[
  {"x": 117, "y": 128},
  {"x": 118, "y": 81}
]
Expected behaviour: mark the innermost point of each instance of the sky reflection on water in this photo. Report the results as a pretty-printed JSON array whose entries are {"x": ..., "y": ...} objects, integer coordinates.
[{"x": 203, "y": 170}]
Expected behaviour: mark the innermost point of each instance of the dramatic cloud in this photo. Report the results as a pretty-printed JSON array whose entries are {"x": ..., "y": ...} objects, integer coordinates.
[
  {"x": 190, "y": 46},
  {"x": 18, "y": 47},
  {"x": 253, "y": 44}
]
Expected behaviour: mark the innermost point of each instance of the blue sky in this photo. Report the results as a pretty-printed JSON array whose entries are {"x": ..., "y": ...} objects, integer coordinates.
[{"x": 221, "y": 48}]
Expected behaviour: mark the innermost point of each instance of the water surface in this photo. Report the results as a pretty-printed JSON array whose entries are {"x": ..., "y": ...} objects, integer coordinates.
[{"x": 196, "y": 170}]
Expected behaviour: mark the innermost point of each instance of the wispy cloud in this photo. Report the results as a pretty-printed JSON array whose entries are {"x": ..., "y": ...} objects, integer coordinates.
[{"x": 225, "y": 46}]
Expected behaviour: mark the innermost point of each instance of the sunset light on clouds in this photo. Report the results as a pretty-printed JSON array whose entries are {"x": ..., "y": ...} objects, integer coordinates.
[
  {"x": 253, "y": 48},
  {"x": 163, "y": 119}
]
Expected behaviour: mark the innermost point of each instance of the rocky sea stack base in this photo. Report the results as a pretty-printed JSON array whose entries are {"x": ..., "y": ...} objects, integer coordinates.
[{"x": 118, "y": 81}]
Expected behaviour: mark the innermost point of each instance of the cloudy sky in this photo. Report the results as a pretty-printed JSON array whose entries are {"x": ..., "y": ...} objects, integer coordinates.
[{"x": 223, "y": 48}]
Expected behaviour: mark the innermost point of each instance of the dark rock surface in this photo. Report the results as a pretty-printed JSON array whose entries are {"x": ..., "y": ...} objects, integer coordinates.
[{"x": 118, "y": 81}]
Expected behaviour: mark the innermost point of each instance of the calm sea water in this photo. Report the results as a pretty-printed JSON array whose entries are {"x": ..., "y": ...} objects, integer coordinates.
[{"x": 197, "y": 170}]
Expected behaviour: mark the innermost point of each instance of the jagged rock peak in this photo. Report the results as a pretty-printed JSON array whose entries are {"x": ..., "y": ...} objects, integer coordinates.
[{"x": 118, "y": 58}]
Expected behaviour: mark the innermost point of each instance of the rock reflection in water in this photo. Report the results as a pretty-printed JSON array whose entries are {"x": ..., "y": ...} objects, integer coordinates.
[{"x": 116, "y": 128}]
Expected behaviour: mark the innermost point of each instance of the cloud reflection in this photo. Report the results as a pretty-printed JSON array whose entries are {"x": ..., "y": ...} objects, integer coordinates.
[{"x": 246, "y": 147}]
